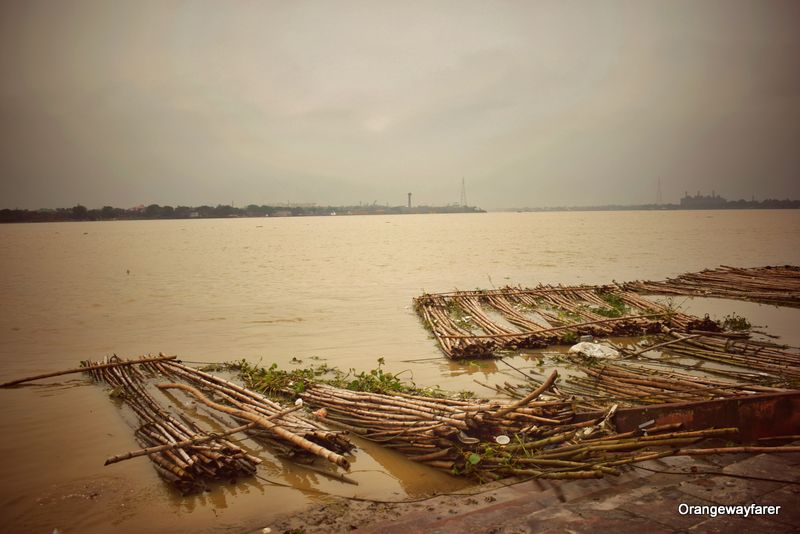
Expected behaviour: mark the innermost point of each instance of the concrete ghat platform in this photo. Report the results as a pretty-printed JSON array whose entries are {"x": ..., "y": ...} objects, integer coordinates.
[{"x": 639, "y": 500}]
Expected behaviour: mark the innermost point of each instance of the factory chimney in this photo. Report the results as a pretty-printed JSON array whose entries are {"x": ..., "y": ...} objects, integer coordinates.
[{"x": 409, "y": 200}]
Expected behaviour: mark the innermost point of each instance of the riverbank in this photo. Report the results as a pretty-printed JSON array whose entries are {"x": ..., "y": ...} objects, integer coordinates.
[{"x": 654, "y": 496}]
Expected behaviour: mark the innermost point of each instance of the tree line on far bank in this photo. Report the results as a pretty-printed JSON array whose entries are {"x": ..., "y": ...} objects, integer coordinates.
[{"x": 154, "y": 211}]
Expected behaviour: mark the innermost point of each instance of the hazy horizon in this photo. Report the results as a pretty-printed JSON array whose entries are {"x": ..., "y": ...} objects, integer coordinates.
[{"x": 533, "y": 104}]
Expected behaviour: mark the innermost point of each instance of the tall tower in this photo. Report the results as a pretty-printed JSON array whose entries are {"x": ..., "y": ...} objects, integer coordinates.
[
  {"x": 409, "y": 200},
  {"x": 463, "y": 193}
]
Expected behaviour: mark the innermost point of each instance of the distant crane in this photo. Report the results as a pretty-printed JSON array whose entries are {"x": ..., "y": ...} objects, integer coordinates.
[{"x": 463, "y": 193}]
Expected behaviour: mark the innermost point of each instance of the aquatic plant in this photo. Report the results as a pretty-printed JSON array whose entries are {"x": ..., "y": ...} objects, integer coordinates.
[
  {"x": 276, "y": 381},
  {"x": 736, "y": 322},
  {"x": 616, "y": 305}
]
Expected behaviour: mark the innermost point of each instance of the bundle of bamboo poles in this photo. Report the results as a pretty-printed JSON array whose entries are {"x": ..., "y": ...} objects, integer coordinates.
[
  {"x": 635, "y": 385},
  {"x": 774, "y": 363},
  {"x": 180, "y": 451},
  {"x": 736, "y": 366},
  {"x": 455, "y": 340},
  {"x": 594, "y": 451},
  {"x": 435, "y": 430},
  {"x": 296, "y": 438},
  {"x": 468, "y": 437},
  {"x": 676, "y": 319},
  {"x": 775, "y": 285},
  {"x": 475, "y": 324}
]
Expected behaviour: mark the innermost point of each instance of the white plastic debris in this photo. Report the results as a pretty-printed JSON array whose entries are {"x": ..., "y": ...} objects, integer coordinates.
[
  {"x": 647, "y": 423},
  {"x": 298, "y": 402},
  {"x": 503, "y": 440},
  {"x": 594, "y": 350}
]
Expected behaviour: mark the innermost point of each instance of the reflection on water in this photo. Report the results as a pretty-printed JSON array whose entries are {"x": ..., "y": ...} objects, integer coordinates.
[
  {"x": 471, "y": 367},
  {"x": 338, "y": 288},
  {"x": 772, "y": 320}
]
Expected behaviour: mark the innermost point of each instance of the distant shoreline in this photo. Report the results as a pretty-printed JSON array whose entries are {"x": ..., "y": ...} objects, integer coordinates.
[
  {"x": 688, "y": 202},
  {"x": 795, "y": 204},
  {"x": 156, "y": 212}
]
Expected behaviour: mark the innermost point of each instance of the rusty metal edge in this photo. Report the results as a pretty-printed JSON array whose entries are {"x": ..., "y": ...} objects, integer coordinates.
[{"x": 756, "y": 416}]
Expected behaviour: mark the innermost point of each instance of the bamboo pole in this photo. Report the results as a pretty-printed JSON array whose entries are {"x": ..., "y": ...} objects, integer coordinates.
[
  {"x": 736, "y": 450},
  {"x": 268, "y": 425},
  {"x": 87, "y": 368},
  {"x": 768, "y": 284},
  {"x": 558, "y": 328},
  {"x": 660, "y": 345},
  {"x": 193, "y": 441},
  {"x": 528, "y": 398}
]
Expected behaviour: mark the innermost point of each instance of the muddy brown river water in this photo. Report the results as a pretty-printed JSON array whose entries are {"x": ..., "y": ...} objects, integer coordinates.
[{"x": 269, "y": 290}]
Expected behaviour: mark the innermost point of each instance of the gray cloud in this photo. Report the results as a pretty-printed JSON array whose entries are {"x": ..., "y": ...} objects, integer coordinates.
[{"x": 534, "y": 103}]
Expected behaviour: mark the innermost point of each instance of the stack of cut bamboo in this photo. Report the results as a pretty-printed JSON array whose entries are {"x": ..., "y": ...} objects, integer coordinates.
[
  {"x": 774, "y": 363},
  {"x": 456, "y": 341},
  {"x": 474, "y": 324},
  {"x": 431, "y": 430},
  {"x": 592, "y": 452},
  {"x": 775, "y": 285},
  {"x": 489, "y": 440},
  {"x": 435, "y": 430},
  {"x": 180, "y": 451},
  {"x": 297, "y": 438},
  {"x": 636, "y": 385}
]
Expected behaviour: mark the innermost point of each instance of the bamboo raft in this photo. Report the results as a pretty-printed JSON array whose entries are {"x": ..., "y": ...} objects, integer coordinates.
[
  {"x": 297, "y": 438},
  {"x": 673, "y": 367},
  {"x": 771, "y": 362},
  {"x": 462, "y": 437},
  {"x": 636, "y": 385},
  {"x": 203, "y": 455},
  {"x": 778, "y": 285},
  {"x": 435, "y": 431},
  {"x": 189, "y": 456},
  {"x": 478, "y": 324}
]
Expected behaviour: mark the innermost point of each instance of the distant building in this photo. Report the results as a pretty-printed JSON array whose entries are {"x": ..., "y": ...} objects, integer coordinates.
[{"x": 699, "y": 201}]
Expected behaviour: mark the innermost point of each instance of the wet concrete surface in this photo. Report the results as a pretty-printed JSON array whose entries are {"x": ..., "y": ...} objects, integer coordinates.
[{"x": 645, "y": 498}]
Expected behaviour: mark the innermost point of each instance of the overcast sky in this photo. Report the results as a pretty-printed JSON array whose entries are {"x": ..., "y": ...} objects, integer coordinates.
[{"x": 532, "y": 103}]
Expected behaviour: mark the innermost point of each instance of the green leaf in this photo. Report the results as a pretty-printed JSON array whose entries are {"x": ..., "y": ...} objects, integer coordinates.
[{"x": 474, "y": 458}]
